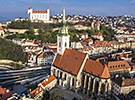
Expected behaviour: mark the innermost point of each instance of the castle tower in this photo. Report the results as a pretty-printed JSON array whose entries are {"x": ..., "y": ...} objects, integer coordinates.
[
  {"x": 63, "y": 36},
  {"x": 30, "y": 13}
]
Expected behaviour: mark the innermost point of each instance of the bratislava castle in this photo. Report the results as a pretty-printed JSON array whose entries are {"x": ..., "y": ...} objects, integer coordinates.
[{"x": 39, "y": 15}]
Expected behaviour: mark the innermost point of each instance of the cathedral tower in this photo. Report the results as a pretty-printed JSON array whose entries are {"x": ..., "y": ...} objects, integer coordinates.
[{"x": 63, "y": 36}]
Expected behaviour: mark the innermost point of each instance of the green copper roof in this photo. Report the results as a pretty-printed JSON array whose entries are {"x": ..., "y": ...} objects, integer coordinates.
[
  {"x": 64, "y": 29},
  {"x": 64, "y": 17}
]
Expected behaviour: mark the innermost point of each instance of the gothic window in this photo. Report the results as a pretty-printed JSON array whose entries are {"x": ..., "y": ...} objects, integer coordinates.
[
  {"x": 73, "y": 82},
  {"x": 102, "y": 88},
  {"x": 57, "y": 73},
  {"x": 60, "y": 74},
  {"x": 96, "y": 86},
  {"x": 65, "y": 76}
]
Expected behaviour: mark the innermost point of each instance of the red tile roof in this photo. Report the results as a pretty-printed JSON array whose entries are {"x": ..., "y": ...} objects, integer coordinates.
[
  {"x": 39, "y": 11},
  {"x": 98, "y": 34},
  {"x": 128, "y": 82},
  {"x": 42, "y": 55},
  {"x": 96, "y": 68},
  {"x": 71, "y": 61},
  {"x": 1, "y": 28},
  {"x": 29, "y": 8},
  {"x": 117, "y": 65},
  {"x": 5, "y": 94}
]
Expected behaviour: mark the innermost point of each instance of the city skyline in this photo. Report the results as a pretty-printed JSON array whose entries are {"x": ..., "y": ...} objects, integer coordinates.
[{"x": 13, "y": 9}]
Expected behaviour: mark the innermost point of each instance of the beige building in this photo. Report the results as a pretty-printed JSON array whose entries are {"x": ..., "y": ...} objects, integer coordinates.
[
  {"x": 46, "y": 84},
  {"x": 95, "y": 26},
  {"x": 119, "y": 66},
  {"x": 98, "y": 36}
]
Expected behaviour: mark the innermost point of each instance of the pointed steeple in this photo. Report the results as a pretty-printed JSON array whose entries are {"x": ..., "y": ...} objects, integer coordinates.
[
  {"x": 63, "y": 38},
  {"x": 64, "y": 17},
  {"x": 63, "y": 30}
]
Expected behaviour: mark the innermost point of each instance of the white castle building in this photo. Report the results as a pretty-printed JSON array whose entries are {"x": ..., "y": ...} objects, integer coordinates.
[{"x": 39, "y": 15}]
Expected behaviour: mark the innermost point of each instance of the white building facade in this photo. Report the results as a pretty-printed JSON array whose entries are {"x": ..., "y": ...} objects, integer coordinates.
[{"x": 39, "y": 15}]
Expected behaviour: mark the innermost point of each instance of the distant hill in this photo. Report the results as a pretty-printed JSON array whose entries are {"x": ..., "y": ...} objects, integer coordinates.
[
  {"x": 10, "y": 51},
  {"x": 4, "y": 19}
]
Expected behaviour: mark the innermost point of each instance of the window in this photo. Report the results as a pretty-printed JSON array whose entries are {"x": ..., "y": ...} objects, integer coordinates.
[
  {"x": 110, "y": 66},
  {"x": 54, "y": 71},
  {"x": 60, "y": 74},
  {"x": 65, "y": 44},
  {"x": 65, "y": 76},
  {"x": 59, "y": 44}
]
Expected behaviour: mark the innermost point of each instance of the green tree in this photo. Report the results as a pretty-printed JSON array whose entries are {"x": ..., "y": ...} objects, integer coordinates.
[
  {"x": 10, "y": 51},
  {"x": 31, "y": 30}
]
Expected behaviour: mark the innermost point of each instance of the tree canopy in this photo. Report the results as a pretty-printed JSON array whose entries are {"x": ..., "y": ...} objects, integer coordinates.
[{"x": 9, "y": 50}]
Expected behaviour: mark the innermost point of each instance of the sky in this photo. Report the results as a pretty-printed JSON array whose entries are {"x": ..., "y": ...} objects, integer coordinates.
[{"x": 11, "y": 9}]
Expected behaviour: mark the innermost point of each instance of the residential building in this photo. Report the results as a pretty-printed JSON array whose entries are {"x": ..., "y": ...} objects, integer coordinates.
[
  {"x": 95, "y": 26},
  {"x": 98, "y": 36},
  {"x": 1, "y": 32},
  {"x": 45, "y": 57},
  {"x": 46, "y": 84},
  {"x": 118, "y": 66},
  {"x": 122, "y": 86}
]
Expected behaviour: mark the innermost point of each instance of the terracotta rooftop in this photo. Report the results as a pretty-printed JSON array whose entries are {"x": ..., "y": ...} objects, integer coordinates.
[
  {"x": 1, "y": 28},
  {"x": 71, "y": 61},
  {"x": 98, "y": 34},
  {"x": 29, "y": 8},
  {"x": 116, "y": 65},
  {"x": 41, "y": 55},
  {"x": 96, "y": 23},
  {"x": 128, "y": 82},
  {"x": 5, "y": 94},
  {"x": 39, "y": 11},
  {"x": 96, "y": 68},
  {"x": 39, "y": 88}
]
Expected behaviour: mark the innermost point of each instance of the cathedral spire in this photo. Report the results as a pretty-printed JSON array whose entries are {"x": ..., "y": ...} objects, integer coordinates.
[
  {"x": 64, "y": 17},
  {"x": 63, "y": 38},
  {"x": 63, "y": 30}
]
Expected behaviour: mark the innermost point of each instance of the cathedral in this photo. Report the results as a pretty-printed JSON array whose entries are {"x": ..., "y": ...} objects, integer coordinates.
[{"x": 74, "y": 69}]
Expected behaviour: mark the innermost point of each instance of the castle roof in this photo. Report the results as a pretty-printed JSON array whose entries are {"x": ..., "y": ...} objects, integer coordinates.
[{"x": 39, "y": 11}]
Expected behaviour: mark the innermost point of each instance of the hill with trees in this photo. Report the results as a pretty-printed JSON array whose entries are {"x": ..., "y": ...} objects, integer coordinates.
[
  {"x": 47, "y": 35},
  {"x": 9, "y": 50}
]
